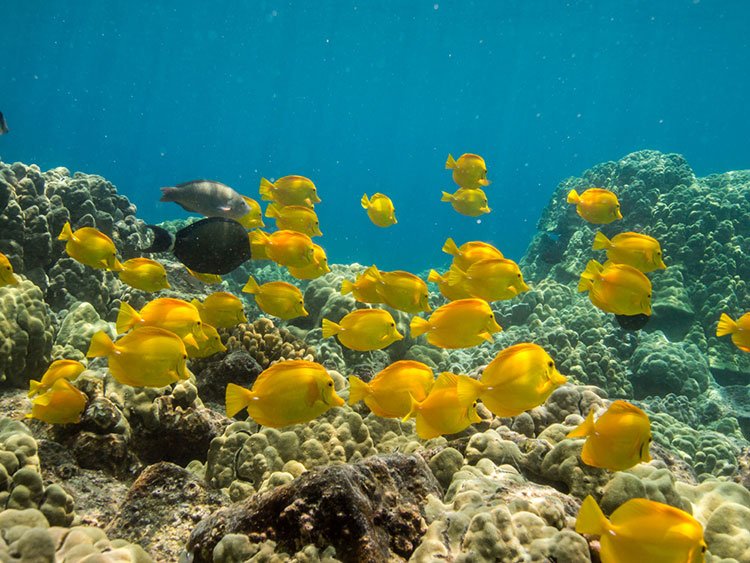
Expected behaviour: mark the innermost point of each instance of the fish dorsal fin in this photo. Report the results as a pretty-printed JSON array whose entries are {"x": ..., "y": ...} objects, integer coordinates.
[
  {"x": 446, "y": 380},
  {"x": 357, "y": 313},
  {"x": 313, "y": 392},
  {"x": 638, "y": 508},
  {"x": 485, "y": 262},
  {"x": 623, "y": 407},
  {"x": 516, "y": 349}
]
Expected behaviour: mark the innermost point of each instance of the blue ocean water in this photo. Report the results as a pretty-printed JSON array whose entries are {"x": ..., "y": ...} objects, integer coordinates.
[{"x": 372, "y": 96}]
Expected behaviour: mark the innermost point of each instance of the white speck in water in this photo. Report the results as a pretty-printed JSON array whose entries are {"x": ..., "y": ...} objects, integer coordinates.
[
  {"x": 479, "y": 221},
  {"x": 435, "y": 6}
]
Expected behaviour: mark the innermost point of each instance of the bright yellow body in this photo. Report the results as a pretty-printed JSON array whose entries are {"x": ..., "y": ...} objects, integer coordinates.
[
  {"x": 494, "y": 279},
  {"x": 380, "y": 209},
  {"x": 469, "y": 252},
  {"x": 401, "y": 290},
  {"x": 289, "y": 392},
  {"x": 144, "y": 274},
  {"x": 469, "y": 171},
  {"x": 364, "y": 289},
  {"x": 634, "y": 249},
  {"x": 459, "y": 324},
  {"x": 62, "y": 404},
  {"x": 469, "y": 202},
  {"x": 364, "y": 330},
  {"x": 287, "y": 248},
  {"x": 643, "y": 531},
  {"x": 253, "y": 218},
  {"x": 740, "y": 330},
  {"x": 618, "y": 440},
  {"x": 221, "y": 310},
  {"x": 450, "y": 292},
  {"x": 318, "y": 268},
  {"x": 59, "y": 369},
  {"x": 617, "y": 288},
  {"x": 290, "y": 190},
  {"x": 440, "y": 412},
  {"x": 174, "y": 315},
  {"x": 295, "y": 218},
  {"x": 279, "y": 299},
  {"x": 212, "y": 345},
  {"x": 596, "y": 205},
  {"x": 518, "y": 379},
  {"x": 387, "y": 394},
  {"x": 6, "y": 272},
  {"x": 147, "y": 357},
  {"x": 90, "y": 247}
]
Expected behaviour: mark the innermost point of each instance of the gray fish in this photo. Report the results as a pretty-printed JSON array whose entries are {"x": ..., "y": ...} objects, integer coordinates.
[
  {"x": 3, "y": 125},
  {"x": 212, "y": 199}
]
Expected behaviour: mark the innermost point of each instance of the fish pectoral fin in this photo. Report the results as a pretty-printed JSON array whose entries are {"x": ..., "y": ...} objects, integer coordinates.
[{"x": 313, "y": 394}]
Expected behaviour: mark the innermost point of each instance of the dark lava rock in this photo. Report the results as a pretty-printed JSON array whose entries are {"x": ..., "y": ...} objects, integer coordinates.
[
  {"x": 213, "y": 376},
  {"x": 161, "y": 508},
  {"x": 370, "y": 511}
]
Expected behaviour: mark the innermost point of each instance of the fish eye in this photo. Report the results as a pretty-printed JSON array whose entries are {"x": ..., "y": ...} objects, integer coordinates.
[
  {"x": 393, "y": 324},
  {"x": 330, "y": 384},
  {"x": 551, "y": 364},
  {"x": 658, "y": 253},
  {"x": 703, "y": 549},
  {"x": 649, "y": 296},
  {"x": 650, "y": 439},
  {"x": 519, "y": 275},
  {"x": 474, "y": 404},
  {"x": 184, "y": 356}
]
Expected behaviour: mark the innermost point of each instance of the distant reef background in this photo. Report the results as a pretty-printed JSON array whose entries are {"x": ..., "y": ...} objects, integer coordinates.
[{"x": 350, "y": 486}]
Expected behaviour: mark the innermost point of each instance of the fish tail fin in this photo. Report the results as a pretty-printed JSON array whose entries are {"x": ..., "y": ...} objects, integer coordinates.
[
  {"x": 266, "y": 190},
  {"x": 168, "y": 193},
  {"x": 237, "y": 398},
  {"x": 593, "y": 268},
  {"x": 434, "y": 277},
  {"x": 573, "y": 197},
  {"x": 446, "y": 197},
  {"x": 330, "y": 328},
  {"x": 585, "y": 428},
  {"x": 468, "y": 390},
  {"x": 373, "y": 273},
  {"x": 347, "y": 286},
  {"x": 591, "y": 519},
  {"x": 34, "y": 386},
  {"x": 726, "y": 325},
  {"x": 365, "y": 202},
  {"x": 418, "y": 326},
  {"x": 101, "y": 345},
  {"x": 450, "y": 163},
  {"x": 601, "y": 242},
  {"x": 251, "y": 286},
  {"x": 66, "y": 233},
  {"x": 412, "y": 409},
  {"x": 451, "y": 248},
  {"x": 273, "y": 210},
  {"x": 456, "y": 275},
  {"x": 258, "y": 237},
  {"x": 358, "y": 390},
  {"x": 127, "y": 317}
]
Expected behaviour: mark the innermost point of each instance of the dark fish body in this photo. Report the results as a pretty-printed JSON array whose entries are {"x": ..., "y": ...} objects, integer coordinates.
[
  {"x": 210, "y": 246},
  {"x": 3, "y": 125},
  {"x": 209, "y": 198},
  {"x": 632, "y": 322}
]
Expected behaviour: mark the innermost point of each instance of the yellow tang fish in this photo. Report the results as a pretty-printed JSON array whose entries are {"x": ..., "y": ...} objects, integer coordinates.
[
  {"x": 364, "y": 330},
  {"x": 221, "y": 310},
  {"x": 596, "y": 205},
  {"x": 147, "y": 357},
  {"x": 469, "y": 171},
  {"x": 634, "y": 249},
  {"x": 401, "y": 290},
  {"x": 318, "y": 268},
  {"x": 470, "y": 202},
  {"x": 618, "y": 440},
  {"x": 459, "y": 324},
  {"x": 364, "y": 289},
  {"x": 290, "y": 190},
  {"x": 440, "y": 412},
  {"x": 518, "y": 379},
  {"x": 144, "y": 274},
  {"x": 59, "y": 369},
  {"x": 174, "y": 315},
  {"x": 6, "y": 272},
  {"x": 295, "y": 218},
  {"x": 494, "y": 279},
  {"x": 253, "y": 218},
  {"x": 380, "y": 209},
  {"x": 388, "y": 393},
  {"x": 258, "y": 249},
  {"x": 289, "y": 392},
  {"x": 287, "y": 248},
  {"x": 450, "y": 292},
  {"x": 469, "y": 252},
  {"x": 62, "y": 404},
  {"x": 212, "y": 345},
  {"x": 617, "y": 288},
  {"x": 739, "y": 330},
  {"x": 279, "y": 299},
  {"x": 209, "y": 279},
  {"x": 90, "y": 247},
  {"x": 643, "y": 531}
]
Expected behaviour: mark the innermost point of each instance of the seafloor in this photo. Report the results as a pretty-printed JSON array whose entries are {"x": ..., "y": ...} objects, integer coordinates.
[{"x": 163, "y": 475}]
